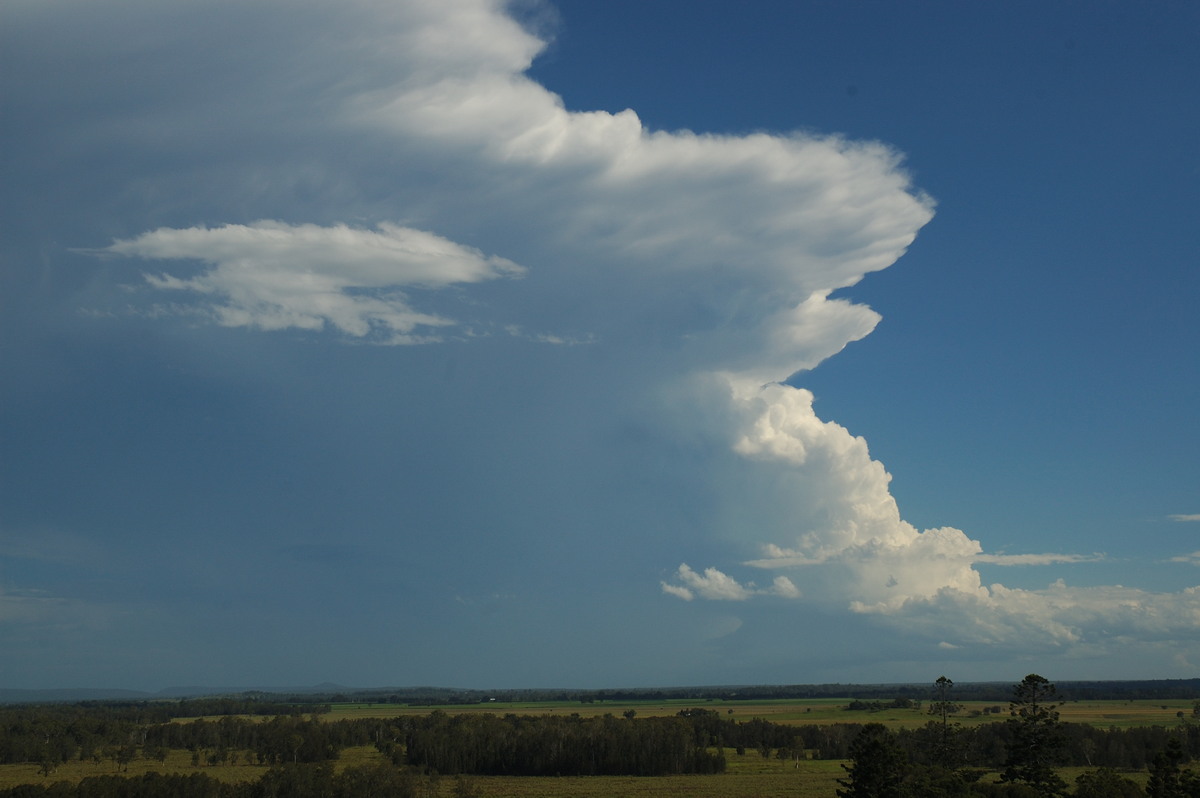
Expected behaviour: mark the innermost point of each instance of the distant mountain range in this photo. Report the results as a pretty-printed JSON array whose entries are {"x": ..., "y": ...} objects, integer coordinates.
[
  {"x": 329, "y": 692},
  {"x": 73, "y": 694}
]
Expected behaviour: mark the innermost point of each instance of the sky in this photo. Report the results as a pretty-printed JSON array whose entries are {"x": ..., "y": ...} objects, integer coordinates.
[{"x": 574, "y": 344}]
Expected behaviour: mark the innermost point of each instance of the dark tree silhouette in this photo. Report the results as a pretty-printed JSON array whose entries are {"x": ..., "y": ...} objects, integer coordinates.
[
  {"x": 947, "y": 748},
  {"x": 1037, "y": 740},
  {"x": 877, "y": 765}
]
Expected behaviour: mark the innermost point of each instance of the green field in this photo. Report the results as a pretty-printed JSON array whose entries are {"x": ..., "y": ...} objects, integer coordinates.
[{"x": 1121, "y": 714}]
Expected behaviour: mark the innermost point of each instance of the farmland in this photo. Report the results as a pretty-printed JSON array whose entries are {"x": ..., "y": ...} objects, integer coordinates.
[
  {"x": 821, "y": 711},
  {"x": 762, "y": 771},
  {"x": 748, "y": 774}
]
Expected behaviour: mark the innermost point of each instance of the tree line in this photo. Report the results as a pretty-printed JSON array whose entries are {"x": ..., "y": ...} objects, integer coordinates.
[
  {"x": 465, "y": 743},
  {"x": 58, "y": 733},
  {"x": 546, "y": 745}
]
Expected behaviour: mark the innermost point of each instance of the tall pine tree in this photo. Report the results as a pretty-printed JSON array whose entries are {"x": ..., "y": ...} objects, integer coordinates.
[{"x": 1036, "y": 742}]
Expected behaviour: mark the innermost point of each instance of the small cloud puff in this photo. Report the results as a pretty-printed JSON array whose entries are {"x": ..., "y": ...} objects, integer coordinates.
[{"x": 715, "y": 585}]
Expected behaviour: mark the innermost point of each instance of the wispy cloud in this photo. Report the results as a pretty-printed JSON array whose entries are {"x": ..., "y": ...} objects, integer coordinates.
[
  {"x": 1037, "y": 559},
  {"x": 1185, "y": 518},
  {"x": 273, "y": 275},
  {"x": 31, "y": 606}
]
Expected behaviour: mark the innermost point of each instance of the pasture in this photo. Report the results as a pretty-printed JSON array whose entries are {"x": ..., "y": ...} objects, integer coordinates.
[{"x": 1103, "y": 714}]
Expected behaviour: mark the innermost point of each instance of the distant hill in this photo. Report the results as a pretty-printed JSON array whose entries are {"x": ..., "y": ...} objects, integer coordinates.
[
  {"x": 76, "y": 694},
  {"x": 329, "y": 692},
  {"x": 69, "y": 694}
]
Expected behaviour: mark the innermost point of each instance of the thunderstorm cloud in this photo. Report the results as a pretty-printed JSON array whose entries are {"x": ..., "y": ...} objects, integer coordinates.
[
  {"x": 389, "y": 172},
  {"x": 714, "y": 256}
]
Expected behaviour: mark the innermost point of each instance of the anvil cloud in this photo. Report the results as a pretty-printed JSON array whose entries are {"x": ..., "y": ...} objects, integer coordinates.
[{"x": 290, "y": 179}]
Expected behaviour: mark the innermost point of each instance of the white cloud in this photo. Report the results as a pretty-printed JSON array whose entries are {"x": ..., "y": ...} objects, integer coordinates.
[
  {"x": 782, "y": 586},
  {"x": 273, "y": 275},
  {"x": 852, "y": 505},
  {"x": 715, "y": 585},
  {"x": 849, "y": 547},
  {"x": 712, "y": 584},
  {"x": 679, "y": 591},
  {"x": 736, "y": 240},
  {"x": 1185, "y": 518},
  {"x": 1037, "y": 559},
  {"x": 1057, "y": 616},
  {"x": 726, "y": 247}
]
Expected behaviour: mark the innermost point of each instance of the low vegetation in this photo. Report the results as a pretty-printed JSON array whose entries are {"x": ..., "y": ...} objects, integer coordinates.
[{"x": 1034, "y": 742}]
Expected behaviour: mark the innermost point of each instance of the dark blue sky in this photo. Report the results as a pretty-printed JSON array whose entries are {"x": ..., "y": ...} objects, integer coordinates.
[{"x": 340, "y": 344}]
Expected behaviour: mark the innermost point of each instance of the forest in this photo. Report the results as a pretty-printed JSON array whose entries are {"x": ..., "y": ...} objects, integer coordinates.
[{"x": 297, "y": 747}]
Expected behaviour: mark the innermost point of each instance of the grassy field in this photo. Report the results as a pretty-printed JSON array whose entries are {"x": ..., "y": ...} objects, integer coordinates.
[{"x": 1104, "y": 714}]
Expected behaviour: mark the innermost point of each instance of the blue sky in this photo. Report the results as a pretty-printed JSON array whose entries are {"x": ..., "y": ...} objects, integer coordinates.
[{"x": 597, "y": 344}]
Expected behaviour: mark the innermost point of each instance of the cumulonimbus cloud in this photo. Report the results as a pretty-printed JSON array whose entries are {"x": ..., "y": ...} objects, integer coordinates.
[{"x": 724, "y": 251}]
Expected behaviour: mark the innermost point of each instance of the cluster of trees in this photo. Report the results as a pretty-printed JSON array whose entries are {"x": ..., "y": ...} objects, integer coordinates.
[
  {"x": 57, "y": 737},
  {"x": 937, "y": 761},
  {"x": 545, "y": 745},
  {"x": 987, "y": 745},
  {"x": 60, "y": 732},
  {"x": 878, "y": 706},
  {"x": 483, "y": 743},
  {"x": 287, "y": 781},
  {"x": 271, "y": 742}
]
